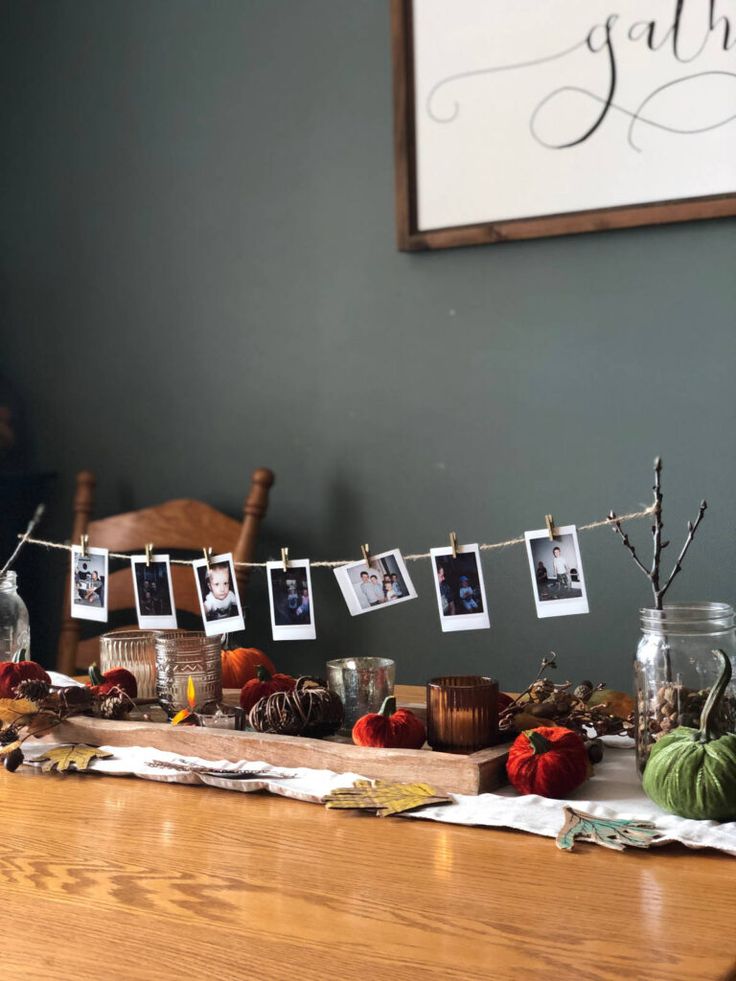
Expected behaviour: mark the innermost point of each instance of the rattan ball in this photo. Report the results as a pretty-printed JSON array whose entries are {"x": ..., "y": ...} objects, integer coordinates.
[{"x": 310, "y": 709}]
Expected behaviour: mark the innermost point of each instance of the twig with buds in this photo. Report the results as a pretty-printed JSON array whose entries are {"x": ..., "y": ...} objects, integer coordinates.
[{"x": 653, "y": 574}]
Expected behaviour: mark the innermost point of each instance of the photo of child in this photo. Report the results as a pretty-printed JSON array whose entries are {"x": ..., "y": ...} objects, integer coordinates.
[
  {"x": 557, "y": 572},
  {"x": 89, "y": 584},
  {"x": 460, "y": 589},
  {"x": 218, "y": 595},
  {"x": 219, "y": 601},
  {"x": 290, "y": 592}
]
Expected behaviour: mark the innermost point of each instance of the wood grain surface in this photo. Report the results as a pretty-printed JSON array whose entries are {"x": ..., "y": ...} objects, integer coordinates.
[{"x": 107, "y": 878}]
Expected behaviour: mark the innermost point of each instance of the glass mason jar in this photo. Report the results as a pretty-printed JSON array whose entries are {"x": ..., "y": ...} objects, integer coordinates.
[
  {"x": 15, "y": 633},
  {"x": 675, "y": 668}
]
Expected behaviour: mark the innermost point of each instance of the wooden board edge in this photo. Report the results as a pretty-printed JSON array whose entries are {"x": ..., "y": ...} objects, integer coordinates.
[{"x": 449, "y": 772}]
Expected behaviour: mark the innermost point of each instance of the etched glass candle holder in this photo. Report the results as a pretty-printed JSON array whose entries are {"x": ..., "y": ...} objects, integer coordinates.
[
  {"x": 134, "y": 650},
  {"x": 362, "y": 684},
  {"x": 462, "y": 713},
  {"x": 185, "y": 655}
]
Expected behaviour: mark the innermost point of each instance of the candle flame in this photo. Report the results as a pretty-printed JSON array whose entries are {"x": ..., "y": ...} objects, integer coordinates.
[{"x": 192, "y": 699}]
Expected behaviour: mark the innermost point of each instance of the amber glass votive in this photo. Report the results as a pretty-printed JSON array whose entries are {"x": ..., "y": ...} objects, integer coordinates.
[{"x": 462, "y": 713}]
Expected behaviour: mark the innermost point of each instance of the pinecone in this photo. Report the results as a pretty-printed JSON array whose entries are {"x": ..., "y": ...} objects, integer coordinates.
[
  {"x": 8, "y": 735},
  {"x": 33, "y": 689},
  {"x": 115, "y": 705}
]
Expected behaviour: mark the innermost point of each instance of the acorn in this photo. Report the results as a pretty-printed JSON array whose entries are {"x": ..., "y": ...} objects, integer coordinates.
[
  {"x": 584, "y": 690},
  {"x": 13, "y": 759}
]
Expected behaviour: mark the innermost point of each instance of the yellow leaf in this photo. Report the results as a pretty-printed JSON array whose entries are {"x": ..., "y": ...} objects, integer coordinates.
[
  {"x": 12, "y": 709},
  {"x": 63, "y": 758},
  {"x": 385, "y": 798},
  {"x": 4, "y": 750}
]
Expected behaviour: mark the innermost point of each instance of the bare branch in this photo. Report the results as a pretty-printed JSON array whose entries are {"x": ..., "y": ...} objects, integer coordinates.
[
  {"x": 627, "y": 544},
  {"x": 657, "y": 527},
  {"x": 653, "y": 574},
  {"x": 691, "y": 529}
]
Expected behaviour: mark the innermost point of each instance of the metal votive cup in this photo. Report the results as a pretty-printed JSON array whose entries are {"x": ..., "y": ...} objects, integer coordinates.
[
  {"x": 187, "y": 654},
  {"x": 362, "y": 683}
]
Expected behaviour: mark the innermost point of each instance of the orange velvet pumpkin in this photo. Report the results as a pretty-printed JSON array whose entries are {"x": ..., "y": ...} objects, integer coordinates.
[
  {"x": 263, "y": 685},
  {"x": 239, "y": 665},
  {"x": 390, "y": 728}
]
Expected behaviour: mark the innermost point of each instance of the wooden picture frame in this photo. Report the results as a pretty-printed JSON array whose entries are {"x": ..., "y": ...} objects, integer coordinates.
[{"x": 410, "y": 237}]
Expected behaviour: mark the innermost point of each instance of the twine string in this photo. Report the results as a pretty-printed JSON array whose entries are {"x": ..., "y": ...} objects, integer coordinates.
[{"x": 336, "y": 563}]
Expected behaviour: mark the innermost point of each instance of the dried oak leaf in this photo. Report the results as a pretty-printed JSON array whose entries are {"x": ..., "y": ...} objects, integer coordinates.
[
  {"x": 384, "y": 798},
  {"x": 63, "y": 758},
  {"x": 13, "y": 709},
  {"x": 615, "y": 833}
]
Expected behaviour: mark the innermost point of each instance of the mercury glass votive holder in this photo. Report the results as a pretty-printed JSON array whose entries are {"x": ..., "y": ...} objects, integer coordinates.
[
  {"x": 362, "y": 684},
  {"x": 181, "y": 655},
  {"x": 462, "y": 713},
  {"x": 134, "y": 650}
]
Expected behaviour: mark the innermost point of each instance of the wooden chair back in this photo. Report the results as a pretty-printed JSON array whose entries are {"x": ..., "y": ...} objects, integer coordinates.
[{"x": 180, "y": 524}]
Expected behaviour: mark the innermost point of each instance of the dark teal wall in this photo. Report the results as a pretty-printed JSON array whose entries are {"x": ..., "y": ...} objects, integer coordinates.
[{"x": 199, "y": 276}]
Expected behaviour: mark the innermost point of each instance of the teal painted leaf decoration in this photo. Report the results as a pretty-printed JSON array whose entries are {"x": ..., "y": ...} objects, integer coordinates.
[{"x": 616, "y": 833}]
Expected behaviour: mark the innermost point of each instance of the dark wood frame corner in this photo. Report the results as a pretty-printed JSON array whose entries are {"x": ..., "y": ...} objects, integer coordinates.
[{"x": 411, "y": 239}]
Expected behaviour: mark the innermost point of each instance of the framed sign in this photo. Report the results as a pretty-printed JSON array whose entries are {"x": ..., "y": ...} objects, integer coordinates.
[{"x": 519, "y": 119}]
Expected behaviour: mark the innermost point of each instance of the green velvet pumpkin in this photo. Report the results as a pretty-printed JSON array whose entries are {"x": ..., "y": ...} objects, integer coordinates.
[{"x": 692, "y": 772}]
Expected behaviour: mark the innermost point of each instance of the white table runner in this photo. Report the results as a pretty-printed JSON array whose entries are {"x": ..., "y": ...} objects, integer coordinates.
[{"x": 614, "y": 792}]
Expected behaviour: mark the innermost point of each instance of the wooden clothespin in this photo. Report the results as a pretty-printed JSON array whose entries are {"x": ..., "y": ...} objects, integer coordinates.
[
  {"x": 207, "y": 555},
  {"x": 84, "y": 546},
  {"x": 366, "y": 550},
  {"x": 149, "y": 551},
  {"x": 285, "y": 558},
  {"x": 453, "y": 544},
  {"x": 551, "y": 530}
]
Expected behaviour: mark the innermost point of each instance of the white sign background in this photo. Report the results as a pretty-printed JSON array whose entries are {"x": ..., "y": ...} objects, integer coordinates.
[{"x": 506, "y": 91}]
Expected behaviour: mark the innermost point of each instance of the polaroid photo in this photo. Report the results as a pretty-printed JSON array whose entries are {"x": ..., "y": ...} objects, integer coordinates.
[
  {"x": 290, "y": 598},
  {"x": 154, "y": 593},
  {"x": 383, "y": 583},
  {"x": 218, "y": 595},
  {"x": 89, "y": 584},
  {"x": 557, "y": 572},
  {"x": 461, "y": 593}
]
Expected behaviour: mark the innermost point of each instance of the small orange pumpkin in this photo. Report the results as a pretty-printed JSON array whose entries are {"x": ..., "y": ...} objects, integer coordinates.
[
  {"x": 263, "y": 685},
  {"x": 239, "y": 665},
  {"x": 390, "y": 728}
]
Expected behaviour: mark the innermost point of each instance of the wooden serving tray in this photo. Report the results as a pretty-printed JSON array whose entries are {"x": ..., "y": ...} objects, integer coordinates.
[{"x": 476, "y": 773}]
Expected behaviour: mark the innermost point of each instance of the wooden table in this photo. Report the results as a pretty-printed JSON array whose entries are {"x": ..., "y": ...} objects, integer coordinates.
[{"x": 105, "y": 877}]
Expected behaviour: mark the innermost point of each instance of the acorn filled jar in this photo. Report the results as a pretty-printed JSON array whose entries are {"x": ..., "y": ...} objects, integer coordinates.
[{"x": 676, "y": 667}]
